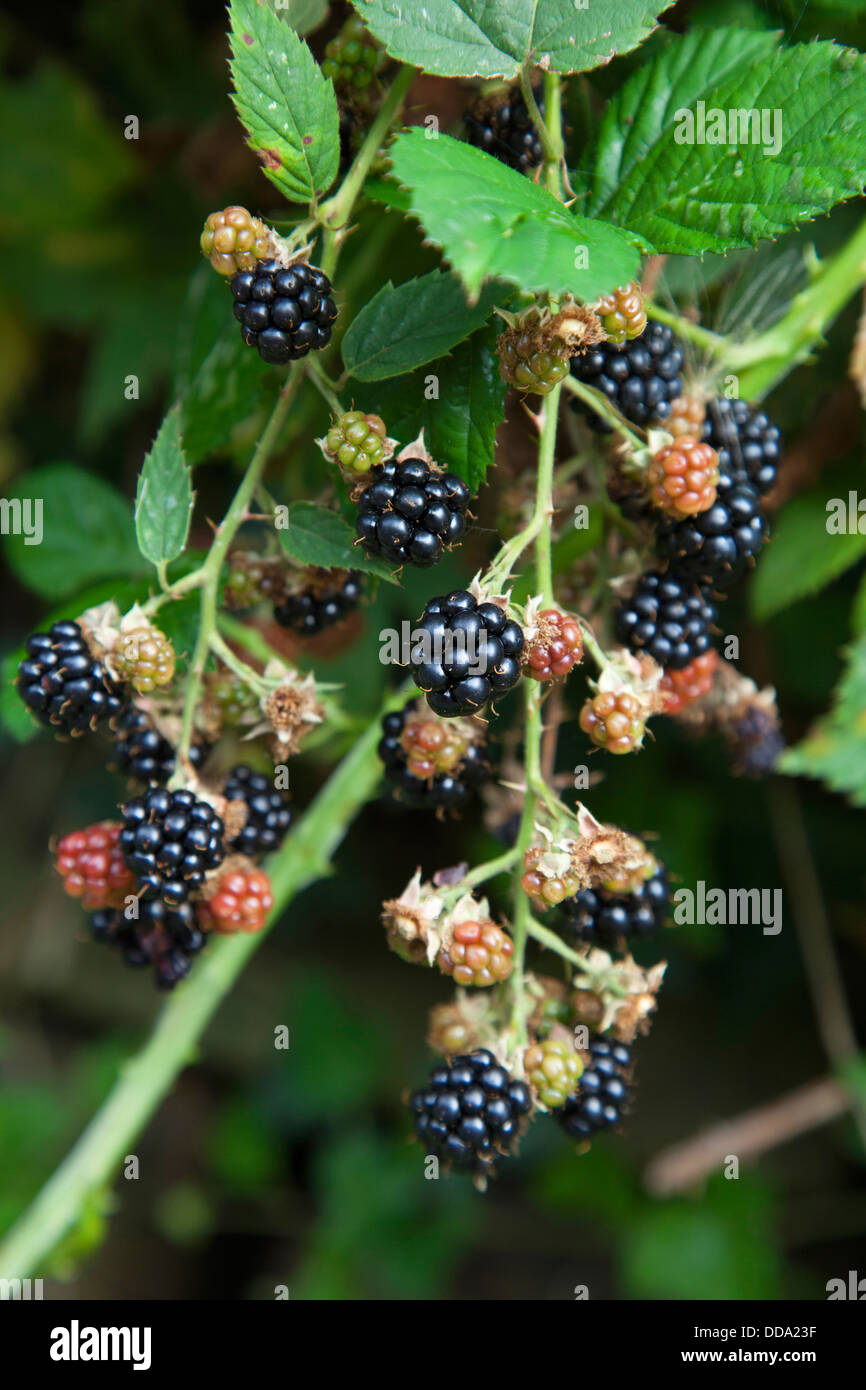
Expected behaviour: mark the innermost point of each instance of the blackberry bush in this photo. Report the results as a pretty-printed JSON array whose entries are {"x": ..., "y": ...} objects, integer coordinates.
[{"x": 480, "y": 290}]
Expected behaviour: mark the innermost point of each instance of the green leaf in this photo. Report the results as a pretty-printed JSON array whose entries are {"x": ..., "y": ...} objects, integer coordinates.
[
  {"x": 516, "y": 230},
  {"x": 227, "y": 389},
  {"x": 317, "y": 536},
  {"x": 473, "y": 38},
  {"x": 695, "y": 197},
  {"x": 288, "y": 108},
  {"x": 164, "y": 499},
  {"x": 87, "y": 532},
  {"x": 803, "y": 555},
  {"x": 401, "y": 329},
  {"x": 459, "y": 402},
  {"x": 834, "y": 750},
  {"x": 302, "y": 15}
]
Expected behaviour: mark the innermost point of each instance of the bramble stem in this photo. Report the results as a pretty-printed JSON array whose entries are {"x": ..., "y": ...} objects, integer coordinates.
[
  {"x": 602, "y": 406},
  {"x": 94, "y": 1161},
  {"x": 684, "y": 328}
]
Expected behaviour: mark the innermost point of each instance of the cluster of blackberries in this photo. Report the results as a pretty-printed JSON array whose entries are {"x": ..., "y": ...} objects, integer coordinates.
[
  {"x": 409, "y": 514},
  {"x": 449, "y": 790},
  {"x": 268, "y": 812},
  {"x": 505, "y": 129},
  {"x": 144, "y": 754},
  {"x": 164, "y": 937},
  {"x": 284, "y": 312},
  {"x": 470, "y": 1112},
  {"x": 668, "y": 617},
  {"x": 464, "y": 653},
  {"x": 320, "y": 606},
  {"x": 62, "y": 682},
  {"x": 169, "y": 841},
  {"x": 604, "y": 918},
  {"x": 641, "y": 378},
  {"x": 603, "y": 1093}
]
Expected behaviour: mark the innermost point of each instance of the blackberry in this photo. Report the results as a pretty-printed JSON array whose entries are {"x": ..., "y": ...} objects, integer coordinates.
[
  {"x": 450, "y": 788},
  {"x": 169, "y": 841},
  {"x": 641, "y": 378},
  {"x": 356, "y": 441},
  {"x": 328, "y": 599},
  {"x": 352, "y": 58},
  {"x": 667, "y": 617},
  {"x": 603, "y": 1093},
  {"x": 715, "y": 546},
  {"x": 552, "y": 1069},
  {"x": 92, "y": 867},
  {"x": 408, "y": 514},
  {"x": 234, "y": 240},
  {"x": 465, "y": 653},
  {"x": 755, "y": 742},
  {"x": 505, "y": 130},
  {"x": 283, "y": 311},
  {"x": 269, "y": 813},
  {"x": 749, "y": 446},
  {"x": 144, "y": 658},
  {"x": 160, "y": 936},
  {"x": 241, "y": 903},
  {"x": 470, "y": 1111},
  {"x": 480, "y": 954},
  {"x": 605, "y": 918},
  {"x": 143, "y": 753},
  {"x": 615, "y": 720},
  {"x": 63, "y": 684},
  {"x": 622, "y": 313}
]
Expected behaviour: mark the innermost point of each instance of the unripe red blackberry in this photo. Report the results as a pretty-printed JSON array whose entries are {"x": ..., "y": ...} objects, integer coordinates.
[
  {"x": 356, "y": 441},
  {"x": 682, "y": 477},
  {"x": 553, "y": 1069},
  {"x": 427, "y": 764},
  {"x": 681, "y": 688},
  {"x": 241, "y": 903},
  {"x": 555, "y": 647},
  {"x": 234, "y": 240},
  {"x": 480, "y": 954},
  {"x": 615, "y": 720},
  {"x": 92, "y": 867},
  {"x": 284, "y": 312},
  {"x": 144, "y": 657},
  {"x": 687, "y": 416},
  {"x": 622, "y": 313},
  {"x": 62, "y": 683},
  {"x": 545, "y": 887},
  {"x": 470, "y": 1111}
]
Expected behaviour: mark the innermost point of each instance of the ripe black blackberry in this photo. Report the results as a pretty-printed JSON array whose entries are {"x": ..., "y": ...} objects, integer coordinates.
[
  {"x": 269, "y": 813},
  {"x": 505, "y": 130},
  {"x": 470, "y": 1112},
  {"x": 603, "y": 1093},
  {"x": 448, "y": 790},
  {"x": 408, "y": 514},
  {"x": 169, "y": 841},
  {"x": 283, "y": 311},
  {"x": 604, "y": 918},
  {"x": 163, "y": 937},
  {"x": 666, "y": 617},
  {"x": 464, "y": 653},
  {"x": 641, "y": 378},
  {"x": 63, "y": 684},
  {"x": 748, "y": 444},
  {"x": 322, "y": 604},
  {"x": 143, "y": 753},
  {"x": 755, "y": 742},
  {"x": 715, "y": 546}
]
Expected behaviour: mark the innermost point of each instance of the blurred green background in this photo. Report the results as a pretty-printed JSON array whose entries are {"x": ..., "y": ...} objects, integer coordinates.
[{"x": 268, "y": 1168}]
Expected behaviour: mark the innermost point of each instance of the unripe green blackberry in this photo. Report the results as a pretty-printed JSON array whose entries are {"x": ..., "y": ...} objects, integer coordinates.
[
  {"x": 234, "y": 240},
  {"x": 144, "y": 657},
  {"x": 352, "y": 58},
  {"x": 553, "y": 1070},
  {"x": 252, "y": 578},
  {"x": 356, "y": 441},
  {"x": 531, "y": 357},
  {"x": 622, "y": 313}
]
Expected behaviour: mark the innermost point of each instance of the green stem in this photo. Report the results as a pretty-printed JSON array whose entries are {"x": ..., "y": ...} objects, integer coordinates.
[
  {"x": 335, "y": 213},
  {"x": 544, "y": 504},
  {"x": 222, "y": 540},
  {"x": 501, "y": 865},
  {"x": 324, "y": 385},
  {"x": 551, "y": 156},
  {"x": 554, "y": 164},
  {"x": 521, "y": 910},
  {"x": 95, "y": 1159},
  {"x": 603, "y": 407},
  {"x": 245, "y": 673},
  {"x": 684, "y": 328},
  {"x": 549, "y": 939}
]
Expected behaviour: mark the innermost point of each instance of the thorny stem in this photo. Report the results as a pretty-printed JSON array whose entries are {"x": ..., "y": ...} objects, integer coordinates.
[{"x": 551, "y": 156}]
